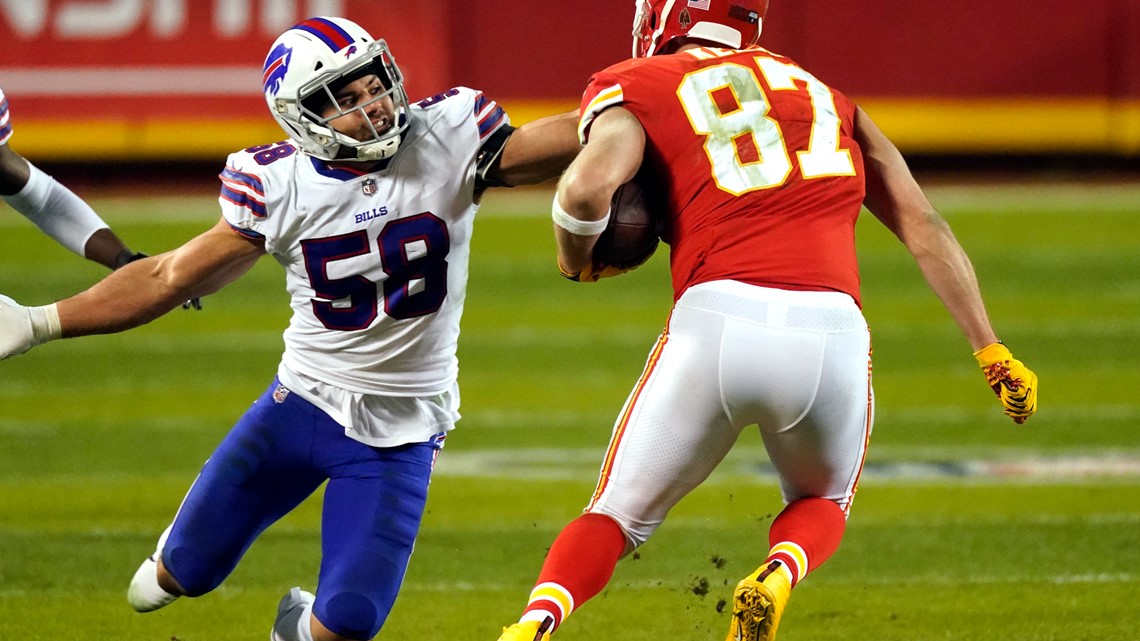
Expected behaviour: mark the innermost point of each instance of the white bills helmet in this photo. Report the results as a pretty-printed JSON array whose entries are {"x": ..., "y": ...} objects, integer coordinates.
[{"x": 305, "y": 68}]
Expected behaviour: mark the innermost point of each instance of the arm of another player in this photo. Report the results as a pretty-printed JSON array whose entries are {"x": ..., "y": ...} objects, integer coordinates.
[
  {"x": 57, "y": 211},
  {"x": 134, "y": 295},
  {"x": 896, "y": 199},
  {"x": 538, "y": 151},
  {"x": 610, "y": 159}
]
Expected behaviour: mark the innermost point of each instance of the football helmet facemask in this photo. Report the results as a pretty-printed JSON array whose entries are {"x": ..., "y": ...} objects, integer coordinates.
[
  {"x": 305, "y": 68},
  {"x": 732, "y": 23}
]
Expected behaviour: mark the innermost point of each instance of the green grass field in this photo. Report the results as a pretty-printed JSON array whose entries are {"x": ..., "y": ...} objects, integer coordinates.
[{"x": 966, "y": 527}]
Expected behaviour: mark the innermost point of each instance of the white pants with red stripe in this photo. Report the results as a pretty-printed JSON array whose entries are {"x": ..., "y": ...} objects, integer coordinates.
[{"x": 797, "y": 364}]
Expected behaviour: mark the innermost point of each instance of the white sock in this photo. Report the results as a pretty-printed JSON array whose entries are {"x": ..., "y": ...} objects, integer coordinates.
[
  {"x": 144, "y": 593},
  {"x": 536, "y": 615},
  {"x": 56, "y": 210}
]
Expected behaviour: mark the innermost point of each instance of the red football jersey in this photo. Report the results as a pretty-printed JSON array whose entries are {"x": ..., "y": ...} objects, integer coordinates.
[{"x": 752, "y": 160}]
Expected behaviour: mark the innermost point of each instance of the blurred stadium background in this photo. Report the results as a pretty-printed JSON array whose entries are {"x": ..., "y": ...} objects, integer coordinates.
[{"x": 1022, "y": 117}]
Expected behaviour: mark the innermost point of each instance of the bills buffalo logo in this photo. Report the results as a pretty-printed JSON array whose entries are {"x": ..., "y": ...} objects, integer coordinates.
[
  {"x": 351, "y": 50},
  {"x": 276, "y": 66}
]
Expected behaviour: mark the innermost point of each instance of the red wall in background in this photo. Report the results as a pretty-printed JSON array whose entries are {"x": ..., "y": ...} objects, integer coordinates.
[
  {"x": 929, "y": 48},
  {"x": 174, "y": 66},
  {"x": 87, "y": 59},
  {"x": 546, "y": 50}
]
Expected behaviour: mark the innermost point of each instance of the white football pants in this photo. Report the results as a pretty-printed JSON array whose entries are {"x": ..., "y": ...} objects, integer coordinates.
[{"x": 797, "y": 364}]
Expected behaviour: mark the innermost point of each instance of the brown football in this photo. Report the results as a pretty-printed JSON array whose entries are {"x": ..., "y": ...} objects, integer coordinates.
[{"x": 633, "y": 232}]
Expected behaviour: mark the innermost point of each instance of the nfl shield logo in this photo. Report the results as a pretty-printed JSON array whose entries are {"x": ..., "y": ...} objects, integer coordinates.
[
  {"x": 280, "y": 394},
  {"x": 368, "y": 186}
]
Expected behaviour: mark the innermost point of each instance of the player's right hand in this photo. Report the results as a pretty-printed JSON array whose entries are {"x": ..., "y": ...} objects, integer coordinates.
[
  {"x": 22, "y": 328},
  {"x": 1013, "y": 382}
]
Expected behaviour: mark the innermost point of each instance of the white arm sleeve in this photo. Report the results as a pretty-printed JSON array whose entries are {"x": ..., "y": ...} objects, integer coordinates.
[{"x": 56, "y": 210}]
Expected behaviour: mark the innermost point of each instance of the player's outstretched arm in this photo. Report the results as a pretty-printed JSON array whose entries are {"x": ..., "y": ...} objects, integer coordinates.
[
  {"x": 134, "y": 295},
  {"x": 57, "y": 211},
  {"x": 538, "y": 151},
  {"x": 581, "y": 206},
  {"x": 896, "y": 199}
]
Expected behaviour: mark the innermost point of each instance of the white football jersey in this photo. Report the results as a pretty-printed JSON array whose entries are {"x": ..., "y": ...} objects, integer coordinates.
[
  {"x": 376, "y": 262},
  {"x": 5, "y": 120}
]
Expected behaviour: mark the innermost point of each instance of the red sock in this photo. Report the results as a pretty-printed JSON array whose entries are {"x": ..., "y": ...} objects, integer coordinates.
[
  {"x": 578, "y": 566},
  {"x": 805, "y": 535}
]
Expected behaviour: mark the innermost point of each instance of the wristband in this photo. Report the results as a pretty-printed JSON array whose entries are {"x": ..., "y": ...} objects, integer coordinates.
[
  {"x": 126, "y": 257},
  {"x": 45, "y": 323},
  {"x": 577, "y": 226}
]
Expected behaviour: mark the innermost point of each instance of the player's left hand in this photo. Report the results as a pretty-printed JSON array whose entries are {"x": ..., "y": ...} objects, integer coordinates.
[
  {"x": 22, "y": 328},
  {"x": 1013, "y": 382}
]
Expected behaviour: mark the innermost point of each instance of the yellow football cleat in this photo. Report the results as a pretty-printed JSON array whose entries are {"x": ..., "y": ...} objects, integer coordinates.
[
  {"x": 757, "y": 604},
  {"x": 528, "y": 631}
]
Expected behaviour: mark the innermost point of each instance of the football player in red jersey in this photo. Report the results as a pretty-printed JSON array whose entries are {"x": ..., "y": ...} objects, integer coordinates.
[
  {"x": 54, "y": 208},
  {"x": 760, "y": 170}
]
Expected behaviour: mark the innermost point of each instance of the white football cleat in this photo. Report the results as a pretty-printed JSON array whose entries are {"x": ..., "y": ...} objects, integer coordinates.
[
  {"x": 144, "y": 593},
  {"x": 293, "y": 613}
]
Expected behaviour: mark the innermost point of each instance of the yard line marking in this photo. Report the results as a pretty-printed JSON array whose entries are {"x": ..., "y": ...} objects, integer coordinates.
[
  {"x": 674, "y": 582},
  {"x": 677, "y": 582},
  {"x": 576, "y": 463}
]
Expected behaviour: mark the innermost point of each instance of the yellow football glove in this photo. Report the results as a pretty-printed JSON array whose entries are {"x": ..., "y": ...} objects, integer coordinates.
[
  {"x": 593, "y": 273},
  {"x": 1013, "y": 382}
]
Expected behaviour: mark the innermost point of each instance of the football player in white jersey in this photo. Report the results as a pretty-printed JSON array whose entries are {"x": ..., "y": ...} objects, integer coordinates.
[
  {"x": 53, "y": 208},
  {"x": 368, "y": 206}
]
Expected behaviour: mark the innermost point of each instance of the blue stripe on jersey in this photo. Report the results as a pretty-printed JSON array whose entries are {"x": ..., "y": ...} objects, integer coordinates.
[
  {"x": 249, "y": 180},
  {"x": 480, "y": 102},
  {"x": 345, "y": 173},
  {"x": 489, "y": 124},
  {"x": 248, "y": 233},
  {"x": 327, "y": 32},
  {"x": 244, "y": 200},
  {"x": 5, "y": 123}
]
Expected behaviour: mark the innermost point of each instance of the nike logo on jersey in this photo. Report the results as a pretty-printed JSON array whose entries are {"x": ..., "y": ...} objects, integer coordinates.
[{"x": 375, "y": 212}]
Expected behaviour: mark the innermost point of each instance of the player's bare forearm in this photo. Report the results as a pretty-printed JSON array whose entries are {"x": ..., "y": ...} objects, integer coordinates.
[
  {"x": 540, "y": 150},
  {"x": 895, "y": 198},
  {"x": 612, "y": 158},
  {"x": 132, "y": 296},
  {"x": 947, "y": 269},
  {"x": 146, "y": 289}
]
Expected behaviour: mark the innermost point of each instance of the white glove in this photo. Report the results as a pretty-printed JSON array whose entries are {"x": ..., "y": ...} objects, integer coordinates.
[{"x": 22, "y": 328}]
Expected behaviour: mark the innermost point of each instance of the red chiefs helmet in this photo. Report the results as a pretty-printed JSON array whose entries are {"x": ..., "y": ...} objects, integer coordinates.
[{"x": 732, "y": 23}]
